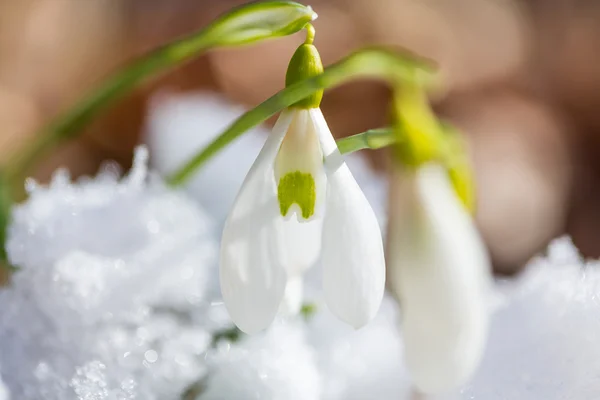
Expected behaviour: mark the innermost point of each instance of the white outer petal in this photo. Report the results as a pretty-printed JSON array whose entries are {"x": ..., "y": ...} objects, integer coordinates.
[
  {"x": 440, "y": 272},
  {"x": 352, "y": 249},
  {"x": 252, "y": 276}
]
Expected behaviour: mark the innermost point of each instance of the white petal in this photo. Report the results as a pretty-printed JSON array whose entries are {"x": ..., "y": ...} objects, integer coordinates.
[
  {"x": 440, "y": 272},
  {"x": 352, "y": 250},
  {"x": 292, "y": 299},
  {"x": 252, "y": 276}
]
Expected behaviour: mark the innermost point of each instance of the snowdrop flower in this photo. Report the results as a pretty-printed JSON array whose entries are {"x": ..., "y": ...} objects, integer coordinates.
[
  {"x": 440, "y": 272},
  {"x": 298, "y": 199}
]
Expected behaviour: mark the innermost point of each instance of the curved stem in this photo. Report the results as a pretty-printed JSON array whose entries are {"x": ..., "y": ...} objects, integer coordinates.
[
  {"x": 246, "y": 24},
  {"x": 367, "y": 63},
  {"x": 310, "y": 34},
  {"x": 70, "y": 124},
  {"x": 371, "y": 139}
]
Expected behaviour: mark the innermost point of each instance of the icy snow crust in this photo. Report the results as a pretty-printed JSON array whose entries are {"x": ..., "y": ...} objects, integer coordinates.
[{"x": 118, "y": 298}]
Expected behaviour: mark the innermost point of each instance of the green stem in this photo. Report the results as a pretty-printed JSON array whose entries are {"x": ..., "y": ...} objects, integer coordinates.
[
  {"x": 246, "y": 24},
  {"x": 310, "y": 34},
  {"x": 367, "y": 63},
  {"x": 70, "y": 124},
  {"x": 372, "y": 139}
]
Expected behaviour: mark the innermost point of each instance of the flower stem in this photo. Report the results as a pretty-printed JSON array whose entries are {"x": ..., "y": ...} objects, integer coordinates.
[
  {"x": 246, "y": 24},
  {"x": 310, "y": 34},
  {"x": 70, "y": 124},
  {"x": 371, "y": 139},
  {"x": 376, "y": 63}
]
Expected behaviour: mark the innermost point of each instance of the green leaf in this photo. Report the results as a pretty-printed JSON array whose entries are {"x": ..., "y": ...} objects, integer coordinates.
[{"x": 232, "y": 334}]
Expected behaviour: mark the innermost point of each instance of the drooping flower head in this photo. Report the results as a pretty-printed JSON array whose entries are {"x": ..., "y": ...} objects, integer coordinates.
[
  {"x": 438, "y": 266},
  {"x": 300, "y": 200}
]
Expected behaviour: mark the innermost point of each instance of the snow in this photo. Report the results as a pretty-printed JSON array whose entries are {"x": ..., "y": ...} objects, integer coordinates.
[
  {"x": 360, "y": 364},
  {"x": 111, "y": 298},
  {"x": 117, "y": 297},
  {"x": 544, "y": 339},
  {"x": 4, "y": 395},
  {"x": 277, "y": 365}
]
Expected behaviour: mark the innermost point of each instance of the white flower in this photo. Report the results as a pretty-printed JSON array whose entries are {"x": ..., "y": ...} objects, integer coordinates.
[
  {"x": 440, "y": 273},
  {"x": 299, "y": 186}
]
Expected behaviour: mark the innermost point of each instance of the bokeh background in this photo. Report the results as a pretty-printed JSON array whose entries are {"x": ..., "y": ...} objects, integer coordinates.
[{"x": 522, "y": 82}]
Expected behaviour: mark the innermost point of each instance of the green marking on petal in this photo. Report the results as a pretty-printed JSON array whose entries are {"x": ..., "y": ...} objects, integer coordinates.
[{"x": 297, "y": 187}]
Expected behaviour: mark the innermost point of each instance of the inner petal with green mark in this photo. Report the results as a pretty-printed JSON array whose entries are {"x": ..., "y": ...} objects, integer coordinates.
[
  {"x": 299, "y": 169},
  {"x": 299, "y": 188}
]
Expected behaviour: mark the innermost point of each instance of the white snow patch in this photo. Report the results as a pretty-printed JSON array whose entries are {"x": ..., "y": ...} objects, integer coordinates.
[
  {"x": 276, "y": 365},
  {"x": 111, "y": 270}
]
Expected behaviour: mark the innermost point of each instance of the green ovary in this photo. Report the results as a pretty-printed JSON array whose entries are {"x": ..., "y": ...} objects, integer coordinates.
[{"x": 297, "y": 187}]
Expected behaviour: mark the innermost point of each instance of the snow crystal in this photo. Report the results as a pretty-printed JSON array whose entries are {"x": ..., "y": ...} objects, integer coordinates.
[
  {"x": 278, "y": 365},
  {"x": 112, "y": 300},
  {"x": 360, "y": 364},
  {"x": 544, "y": 341}
]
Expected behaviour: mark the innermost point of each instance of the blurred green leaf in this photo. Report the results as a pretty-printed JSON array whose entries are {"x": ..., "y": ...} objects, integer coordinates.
[{"x": 232, "y": 334}]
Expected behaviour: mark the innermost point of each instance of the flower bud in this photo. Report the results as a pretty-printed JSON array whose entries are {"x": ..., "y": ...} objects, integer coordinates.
[{"x": 305, "y": 63}]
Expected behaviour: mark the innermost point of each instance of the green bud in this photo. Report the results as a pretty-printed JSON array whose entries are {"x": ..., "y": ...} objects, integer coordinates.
[
  {"x": 253, "y": 22},
  {"x": 305, "y": 63}
]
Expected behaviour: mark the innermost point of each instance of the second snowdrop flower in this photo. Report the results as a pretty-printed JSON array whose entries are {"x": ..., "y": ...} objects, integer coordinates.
[
  {"x": 438, "y": 265},
  {"x": 299, "y": 199},
  {"x": 440, "y": 272}
]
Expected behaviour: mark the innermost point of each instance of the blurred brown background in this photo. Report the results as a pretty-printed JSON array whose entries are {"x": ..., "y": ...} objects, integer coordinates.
[{"x": 523, "y": 84}]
